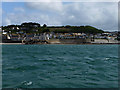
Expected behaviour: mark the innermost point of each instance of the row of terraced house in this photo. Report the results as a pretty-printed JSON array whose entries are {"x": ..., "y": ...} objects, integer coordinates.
[{"x": 20, "y": 35}]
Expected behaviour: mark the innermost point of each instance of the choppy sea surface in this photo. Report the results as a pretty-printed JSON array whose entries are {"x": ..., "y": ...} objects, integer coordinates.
[{"x": 60, "y": 66}]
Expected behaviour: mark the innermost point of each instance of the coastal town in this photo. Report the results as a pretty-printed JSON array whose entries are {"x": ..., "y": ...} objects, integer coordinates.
[{"x": 34, "y": 33}]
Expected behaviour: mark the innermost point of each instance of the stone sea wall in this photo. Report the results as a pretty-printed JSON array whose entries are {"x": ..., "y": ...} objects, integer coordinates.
[
  {"x": 81, "y": 41},
  {"x": 104, "y": 41},
  {"x": 68, "y": 41}
]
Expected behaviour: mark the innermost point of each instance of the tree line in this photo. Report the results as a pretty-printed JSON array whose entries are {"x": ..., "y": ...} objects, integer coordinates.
[{"x": 37, "y": 28}]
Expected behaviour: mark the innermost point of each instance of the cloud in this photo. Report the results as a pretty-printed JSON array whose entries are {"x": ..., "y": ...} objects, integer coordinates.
[
  {"x": 90, "y": 0},
  {"x": 0, "y": 14},
  {"x": 33, "y": 17},
  {"x": 45, "y": 6},
  {"x": 119, "y": 16},
  {"x": 59, "y": 1},
  {"x": 101, "y": 15},
  {"x": 8, "y": 0},
  {"x": 7, "y": 21},
  {"x": 0, "y": 10}
]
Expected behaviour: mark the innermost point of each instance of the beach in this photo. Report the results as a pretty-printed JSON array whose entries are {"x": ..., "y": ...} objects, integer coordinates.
[
  {"x": 61, "y": 44},
  {"x": 10, "y": 43}
]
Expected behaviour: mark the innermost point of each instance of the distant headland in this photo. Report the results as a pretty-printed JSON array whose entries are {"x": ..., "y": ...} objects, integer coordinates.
[{"x": 34, "y": 33}]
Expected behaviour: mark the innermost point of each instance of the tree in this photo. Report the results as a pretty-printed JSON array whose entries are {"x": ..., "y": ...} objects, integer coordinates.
[
  {"x": 67, "y": 26},
  {"x": 44, "y": 25}
]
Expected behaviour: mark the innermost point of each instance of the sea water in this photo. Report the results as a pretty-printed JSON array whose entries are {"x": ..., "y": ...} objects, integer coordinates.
[{"x": 60, "y": 66}]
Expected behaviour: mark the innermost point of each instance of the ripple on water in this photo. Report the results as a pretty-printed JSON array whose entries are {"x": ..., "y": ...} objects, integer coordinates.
[
  {"x": 22, "y": 68},
  {"x": 60, "y": 66}
]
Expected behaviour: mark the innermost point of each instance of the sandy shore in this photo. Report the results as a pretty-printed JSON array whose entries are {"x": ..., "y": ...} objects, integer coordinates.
[
  {"x": 59, "y": 44},
  {"x": 10, "y": 43}
]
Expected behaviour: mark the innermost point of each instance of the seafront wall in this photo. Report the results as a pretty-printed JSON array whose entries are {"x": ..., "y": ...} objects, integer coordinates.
[
  {"x": 104, "y": 41},
  {"x": 81, "y": 41},
  {"x": 53, "y": 41},
  {"x": 11, "y": 41},
  {"x": 68, "y": 41}
]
